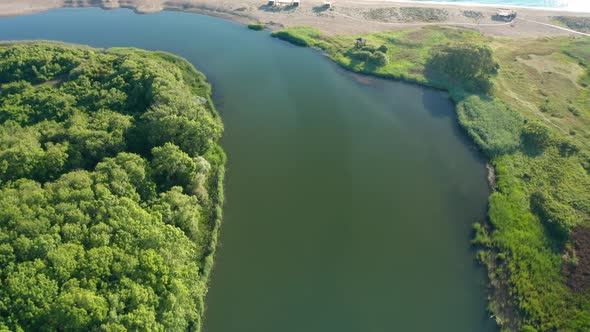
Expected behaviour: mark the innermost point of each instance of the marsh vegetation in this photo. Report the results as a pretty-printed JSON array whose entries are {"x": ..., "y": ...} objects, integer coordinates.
[{"x": 257, "y": 26}]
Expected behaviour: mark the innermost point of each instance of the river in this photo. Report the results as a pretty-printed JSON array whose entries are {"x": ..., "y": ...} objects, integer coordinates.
[{"x": 349, "y": 200}]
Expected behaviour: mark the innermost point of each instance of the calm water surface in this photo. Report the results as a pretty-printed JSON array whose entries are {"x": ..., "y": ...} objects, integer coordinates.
[{"x": 349, "y": 200}]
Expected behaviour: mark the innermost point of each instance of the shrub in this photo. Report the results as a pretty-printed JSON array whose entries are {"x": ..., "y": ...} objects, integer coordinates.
[
  {"x": 423, "y": 14},
  {"x": 481, "y": 236},
  {"x": 291, "y": 38},
  {"x": 473, "y": 65},
  {"x": 574, "y": 110},
  {"x": 360, "y": 55},
  {"x": 567, "y": 147},
  {"x": 585, "y": 160},
  {"x": 300, "y": 36},
  {"x": 548, "y": 107},
  {"x": 379, "y": 59},
  {"x": 528, "y": 328},
  {"x": 256, "y": 26},
  {"x": 560, "y": 218},
  {"x": 494, "y": 127},
  {"x": 369, "y": 49},
  {"x": 536, "y": 136},
  {"x": 383, "y": 49},
  {"x": 473, "y": 14}
]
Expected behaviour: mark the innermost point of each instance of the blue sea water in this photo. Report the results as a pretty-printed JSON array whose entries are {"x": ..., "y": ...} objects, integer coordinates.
[{"x": 572, "y": 5}]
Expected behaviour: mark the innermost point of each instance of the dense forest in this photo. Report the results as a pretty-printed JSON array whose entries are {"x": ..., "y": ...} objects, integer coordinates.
[
  {"x": 526, "y": 104},
  {"x": 111, "y": 186}
]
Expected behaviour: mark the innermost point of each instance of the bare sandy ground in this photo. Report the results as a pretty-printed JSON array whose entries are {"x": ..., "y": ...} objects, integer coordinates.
[{"x": 346, "y": 16}]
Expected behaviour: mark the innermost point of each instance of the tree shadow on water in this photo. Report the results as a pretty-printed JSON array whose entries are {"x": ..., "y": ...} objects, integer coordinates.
[{"x": 438, "y": 103}]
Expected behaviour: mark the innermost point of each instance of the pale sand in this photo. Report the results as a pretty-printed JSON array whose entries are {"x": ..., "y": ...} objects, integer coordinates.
[{"x": 347, "y": 16}]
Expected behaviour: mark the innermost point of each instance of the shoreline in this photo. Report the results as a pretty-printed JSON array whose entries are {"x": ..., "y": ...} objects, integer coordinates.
[{"x": 345, "y": 17}]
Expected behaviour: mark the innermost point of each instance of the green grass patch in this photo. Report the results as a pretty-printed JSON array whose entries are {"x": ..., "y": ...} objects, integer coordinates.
[
  {"x": 256, "y": 26},
  {"x": 300, "y": 36},
  {"x": 494, "y": 127}
]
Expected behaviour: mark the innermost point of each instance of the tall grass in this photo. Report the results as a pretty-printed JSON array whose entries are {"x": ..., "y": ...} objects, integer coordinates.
[{"x": 257, "y": 26}]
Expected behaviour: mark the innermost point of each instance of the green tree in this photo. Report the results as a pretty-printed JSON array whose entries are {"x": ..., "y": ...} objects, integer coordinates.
[
  {"x": 473, "y": 65},
  {"x": 180, "y": 210},
  {"x": 536, "y": 136},
  {"x": 172, "y": 167},
  {"x": 379, "y": 58}
]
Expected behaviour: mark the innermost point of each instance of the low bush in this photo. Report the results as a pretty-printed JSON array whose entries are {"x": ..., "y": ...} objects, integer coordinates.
[
  {"x": 481, "y": 237},
  {"x": 378, "y": 59},
  {"x": 536, "y": 136},
  {"x": 423, "y": 14},
  {"x": 476, "y": 15},
  {"x": 300, "y": 36},
  {"x": 559, "y": 218},
  {"x": 491, "y": 123},
  {"x": 574, "y": 110},
  {"x": 360, "y": 55},
  {"x": 257, "y": 26},
  {"x": 291, "y": 38}
]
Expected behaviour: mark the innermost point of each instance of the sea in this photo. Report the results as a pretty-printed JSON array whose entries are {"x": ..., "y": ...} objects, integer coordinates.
[{"x": 570, "y": 5}]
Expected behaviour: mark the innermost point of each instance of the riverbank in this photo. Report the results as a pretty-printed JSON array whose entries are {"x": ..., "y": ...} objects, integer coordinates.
[
  {"x": 532, "y": 122},
  {"x": 346, "y": 17}
]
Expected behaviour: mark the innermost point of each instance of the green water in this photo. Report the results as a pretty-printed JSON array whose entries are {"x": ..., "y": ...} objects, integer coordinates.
[{"x": 349, "y": 200}]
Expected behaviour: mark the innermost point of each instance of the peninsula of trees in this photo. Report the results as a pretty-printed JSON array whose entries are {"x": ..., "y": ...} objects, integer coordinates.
[{"x": 111, "y": 186}]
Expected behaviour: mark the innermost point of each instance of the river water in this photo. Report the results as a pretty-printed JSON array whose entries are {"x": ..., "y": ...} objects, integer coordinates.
[{"x": 349, "y": 199}]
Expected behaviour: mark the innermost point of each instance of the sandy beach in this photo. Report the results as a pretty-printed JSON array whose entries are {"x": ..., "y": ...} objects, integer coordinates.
[{"x": 345, "y": 17}]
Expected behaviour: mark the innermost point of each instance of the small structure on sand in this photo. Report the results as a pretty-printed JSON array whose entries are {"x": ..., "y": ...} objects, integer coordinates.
[
  {"x": 361, "y": 42},
  {"x": 283, "y": 3},
  {"x": 327, "y": 5},
  {"x": 505, "y": 15}
]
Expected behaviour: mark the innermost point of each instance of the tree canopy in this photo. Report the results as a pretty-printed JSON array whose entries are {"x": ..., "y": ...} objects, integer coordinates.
[
  {"x": 471, "y": 64},
  {"x": 110, "y": 189}
]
